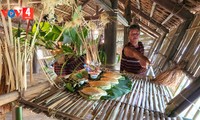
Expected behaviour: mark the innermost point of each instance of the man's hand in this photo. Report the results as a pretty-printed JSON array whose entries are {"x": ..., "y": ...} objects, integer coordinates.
[
  {"x": 130, "y": 52},
  {"x": 144, "y": 62}
]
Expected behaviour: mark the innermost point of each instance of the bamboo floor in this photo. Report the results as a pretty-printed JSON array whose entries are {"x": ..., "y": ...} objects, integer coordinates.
[{"x": 146, "y": 101}]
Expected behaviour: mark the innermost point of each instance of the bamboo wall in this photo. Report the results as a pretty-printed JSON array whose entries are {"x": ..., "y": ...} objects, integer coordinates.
[{"x": 187, "y": 51}]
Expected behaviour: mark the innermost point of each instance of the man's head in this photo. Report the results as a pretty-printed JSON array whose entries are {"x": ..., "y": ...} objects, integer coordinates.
[{"x": 134, "y": 33}]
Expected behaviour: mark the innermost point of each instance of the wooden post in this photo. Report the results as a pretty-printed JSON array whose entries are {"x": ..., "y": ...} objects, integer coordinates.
[
  {"x": 12, "y": 96},
  {"x": 110, "y": 37},
  {"x": 128, "y": 18},
  {"x": 184, "y": 99}
]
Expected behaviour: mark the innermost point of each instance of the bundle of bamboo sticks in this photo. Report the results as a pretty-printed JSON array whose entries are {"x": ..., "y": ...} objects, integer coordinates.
[{"x": 15, "y": 54}]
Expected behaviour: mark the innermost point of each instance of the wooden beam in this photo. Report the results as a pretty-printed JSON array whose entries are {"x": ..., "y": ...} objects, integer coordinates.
[
  {"x": 104, "y": 5},
  {"x": 169, "y": 17},
  {"x": 107, "y": 7},
  {"x": 136, "y": 11},
  {"x": 138, "y": 3},
  {"x": 178, "y": 10},
  {"x": 91, "y": 17},
  {"x": 184, "y": 99},
  {"x": 148, "y": 33},
  {"x": 12, "y": 96},
  {"x": 148, "y": 28},
  {"x": 85, "y": 3},
  {"x": 153, "y": 9}
]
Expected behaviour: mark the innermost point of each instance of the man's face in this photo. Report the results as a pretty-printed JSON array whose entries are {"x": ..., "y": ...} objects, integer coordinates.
[{"x": 134, "y": 35}]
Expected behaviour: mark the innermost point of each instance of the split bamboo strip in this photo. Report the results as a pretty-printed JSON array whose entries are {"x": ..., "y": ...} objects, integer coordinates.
[
  {"x": 105, "y": 109},
  {"x": 151, "y": 115},
  {"x": 197, "y": 115},
  {"x": 99, "y": 108},
  {"x": 60, "y": 96},
  {"x": 140, "y": 96},
  {"x": 150, "y": 98},
  {"x": 85, "y": 109},
  {"x": 162, "y": 116},
  {"x": 109, "y": 110},
  {"x": 166, "y": 95},
  {"x": 53, "y": 97},
  {"x": 160, "y": 105},
  {"x": 72, "y": 103},
  {"x": 136, "y": 95},
  {"x": 121, "y": 115},
  {"x": 52, "y": 106},
  {"x": 144, "y": 94},
  {"x": 67, "y": 103},
  {"x": 146, "y": 114},
  {"x": 131, "y": 94},
  {"x": 131, "y": 113},
  {"x": 46, "y": 110},
  {"x": 44, "y": 97},
  {"x": 52, "y": 102},
  {"x": 155, "y": 98},
  {"x": 157, "y": 116},
  {"x": 115, "y": 110},
  {"x": 141, "y": 114},
  {"x": 136, "y": 112},
  {"x": 75, "y": 106},
  {"x": 68, "y": 98},
  {"x": 147, "y": 96}
]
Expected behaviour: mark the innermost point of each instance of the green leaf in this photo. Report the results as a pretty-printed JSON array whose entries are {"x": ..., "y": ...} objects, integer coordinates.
[
  {"x": 76, "y": 13},
  {"x": 69, "y": 87},
  {"x": 44, "y": 26},
  {"x": 124, "y": 87},
  {"x": 67, "y": 49}
]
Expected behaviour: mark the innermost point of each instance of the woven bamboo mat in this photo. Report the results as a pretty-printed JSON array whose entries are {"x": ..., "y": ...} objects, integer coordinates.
[{"x": 146, "y": 101}]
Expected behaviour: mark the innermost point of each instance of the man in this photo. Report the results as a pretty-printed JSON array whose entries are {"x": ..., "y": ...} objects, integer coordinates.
[{"x": 133, "y": 59}]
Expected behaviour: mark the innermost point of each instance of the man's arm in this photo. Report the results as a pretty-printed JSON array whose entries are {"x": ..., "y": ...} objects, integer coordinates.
[{"x": 131, "y": 52}]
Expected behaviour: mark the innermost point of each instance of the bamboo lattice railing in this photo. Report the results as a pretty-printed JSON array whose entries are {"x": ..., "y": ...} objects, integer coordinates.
[{"x": 146, "y": 101}]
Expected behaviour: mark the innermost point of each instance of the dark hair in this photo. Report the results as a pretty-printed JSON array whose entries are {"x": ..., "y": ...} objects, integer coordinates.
[{"x": 134, "y": 26}]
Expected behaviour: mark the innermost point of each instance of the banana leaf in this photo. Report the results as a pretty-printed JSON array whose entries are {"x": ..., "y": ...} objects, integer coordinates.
[{"x": 124, "y": 87}]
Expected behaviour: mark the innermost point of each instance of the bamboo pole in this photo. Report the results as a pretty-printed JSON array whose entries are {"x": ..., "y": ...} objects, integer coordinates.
[{"x": 12, "y": 96}]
